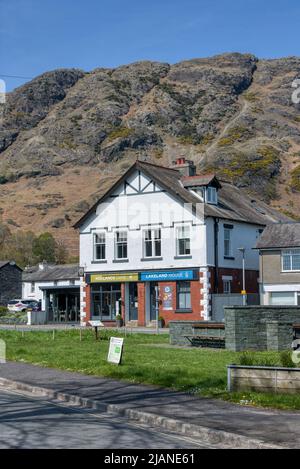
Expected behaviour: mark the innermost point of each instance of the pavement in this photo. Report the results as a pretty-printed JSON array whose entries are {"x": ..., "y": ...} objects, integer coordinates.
[
  {"x": 34, "y": 423},
  {"x": 211, "y": 421}
]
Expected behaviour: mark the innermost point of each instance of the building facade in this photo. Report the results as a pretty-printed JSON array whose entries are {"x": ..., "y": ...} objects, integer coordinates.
[
  {"x": 57, "y": 287},
  {"x": 10, "y": 282},
  {"x": 162, "y": 240},
  {"x": 279, "y": 249}
]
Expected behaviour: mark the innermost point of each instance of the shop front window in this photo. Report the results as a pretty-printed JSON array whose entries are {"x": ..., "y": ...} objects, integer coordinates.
[{"x": 106, "y": 301}]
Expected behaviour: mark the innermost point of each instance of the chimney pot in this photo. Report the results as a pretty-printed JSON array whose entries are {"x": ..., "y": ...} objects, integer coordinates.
[{"x": 186, "y": 167}]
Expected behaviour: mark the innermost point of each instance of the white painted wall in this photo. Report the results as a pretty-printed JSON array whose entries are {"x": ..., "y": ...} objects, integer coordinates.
[
  {"x": 135, "y": 213},
  {"x": 38, "y": 294},
  {"x": 242, "y": 235},
  {"x": 159, "y": 209}
]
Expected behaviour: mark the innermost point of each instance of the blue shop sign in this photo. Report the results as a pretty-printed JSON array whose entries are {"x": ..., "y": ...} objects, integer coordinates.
[{"x": 167, "y": 276}]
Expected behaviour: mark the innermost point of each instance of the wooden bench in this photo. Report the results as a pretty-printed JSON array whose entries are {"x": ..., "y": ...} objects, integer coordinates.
[{"x": 206, "y": 341}]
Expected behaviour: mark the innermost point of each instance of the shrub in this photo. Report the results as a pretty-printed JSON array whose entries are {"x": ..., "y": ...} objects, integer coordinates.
[
  {"x": 295, "y": 179},
  {"x": 286, "y": 359},
  {"x": 3, "y": 311},
  {"x": 120, "y": 132},
  {"x": 250, "y": 96},
  {"x": 247, "y": 359}
]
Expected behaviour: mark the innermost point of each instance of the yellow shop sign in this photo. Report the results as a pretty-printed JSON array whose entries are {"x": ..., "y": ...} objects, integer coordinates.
[{"x": 107, "y": 278}]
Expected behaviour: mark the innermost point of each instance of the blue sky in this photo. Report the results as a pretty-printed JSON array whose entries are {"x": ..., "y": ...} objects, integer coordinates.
[{"x": 41, "y": 35}]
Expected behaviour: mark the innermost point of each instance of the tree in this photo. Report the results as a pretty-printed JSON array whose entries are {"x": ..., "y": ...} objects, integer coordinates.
[
  {"x": 19, "y": 247},
  {"x": 61, "y": 253},
  {"x": 44, "y": 248}
]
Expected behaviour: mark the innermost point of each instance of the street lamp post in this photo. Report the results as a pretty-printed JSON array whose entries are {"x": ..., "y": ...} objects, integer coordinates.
[{"x": 244, "y": 293}]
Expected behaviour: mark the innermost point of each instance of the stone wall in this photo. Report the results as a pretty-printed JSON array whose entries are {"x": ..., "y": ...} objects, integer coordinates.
[
  {"x": 180, "y": 329},
  {"x": 10, "y": 283},
  {"x": 260, "y": 327}
]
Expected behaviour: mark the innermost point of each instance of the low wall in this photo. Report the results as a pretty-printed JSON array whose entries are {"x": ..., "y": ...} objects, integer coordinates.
[
  {"x": 263, "y": 379},
  {"x": 36, "y": 318},
  {"x": 260, "y": 327},
  {"x": 180, "y": 329}
]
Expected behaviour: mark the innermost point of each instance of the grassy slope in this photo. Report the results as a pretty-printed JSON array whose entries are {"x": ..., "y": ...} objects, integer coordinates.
[{"x": 198, "y": 371}]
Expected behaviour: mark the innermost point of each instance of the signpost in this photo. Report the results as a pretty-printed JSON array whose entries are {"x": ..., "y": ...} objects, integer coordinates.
[
  {"x": 96, "y": 324},
  {"x": 115, "y": 350}
]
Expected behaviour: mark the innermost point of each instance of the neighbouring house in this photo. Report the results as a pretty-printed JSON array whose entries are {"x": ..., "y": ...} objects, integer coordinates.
[
  {"x": 10, "y": 282},
  {"x": 163, "y": 241},
  {"x": 58, "y": 289},
  {"x": 279, "y": 249}
]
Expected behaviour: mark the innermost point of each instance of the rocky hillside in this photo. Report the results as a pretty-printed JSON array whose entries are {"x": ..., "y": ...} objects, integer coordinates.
[{"x": 68, "y": 134}]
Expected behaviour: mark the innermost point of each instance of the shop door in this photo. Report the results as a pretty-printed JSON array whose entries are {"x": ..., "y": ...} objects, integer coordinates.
[
  {"x": 133, "y": 302},
  {"x": 154, "y": 297}
]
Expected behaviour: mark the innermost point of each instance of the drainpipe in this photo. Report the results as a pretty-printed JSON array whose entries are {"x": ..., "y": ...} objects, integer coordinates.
[{"x": 216, "y": 243}]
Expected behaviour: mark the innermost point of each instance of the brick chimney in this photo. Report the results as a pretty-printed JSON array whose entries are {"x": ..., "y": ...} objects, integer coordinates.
[{"x": 186, "y": 167}]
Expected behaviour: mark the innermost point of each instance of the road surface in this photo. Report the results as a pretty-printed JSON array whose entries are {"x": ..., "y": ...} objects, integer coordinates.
[{"x": 32, "y": 422}]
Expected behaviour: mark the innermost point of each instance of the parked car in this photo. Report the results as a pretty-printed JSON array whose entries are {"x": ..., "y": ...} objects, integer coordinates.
[{"x": 18, "y": 305}]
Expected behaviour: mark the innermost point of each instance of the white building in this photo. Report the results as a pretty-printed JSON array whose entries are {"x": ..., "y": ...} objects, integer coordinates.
[
  {"x": 57, "y": 287},
  {"x": 279, "y": 249},
  {"x": 167, "y": 238}
]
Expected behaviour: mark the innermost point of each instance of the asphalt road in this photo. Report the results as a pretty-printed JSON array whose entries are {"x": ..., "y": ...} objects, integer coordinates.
[{"x": 32, "y": 422}]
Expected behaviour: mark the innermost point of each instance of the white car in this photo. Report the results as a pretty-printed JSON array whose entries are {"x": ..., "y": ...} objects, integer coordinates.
[{"x": 15, "y": 306}]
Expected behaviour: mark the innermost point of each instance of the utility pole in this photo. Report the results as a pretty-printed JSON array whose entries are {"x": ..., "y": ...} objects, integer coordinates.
[{"x": 244, "y": 292}]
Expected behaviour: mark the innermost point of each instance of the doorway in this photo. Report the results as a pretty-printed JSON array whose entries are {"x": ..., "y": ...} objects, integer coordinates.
[
  {"x": 154, "y": 298},
  {"x": 133, "y": 302}
]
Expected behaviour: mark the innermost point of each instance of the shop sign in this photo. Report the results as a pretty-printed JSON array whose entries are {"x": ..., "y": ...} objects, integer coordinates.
[
  {"x": 110, "y": 278},
  {"x": 167, "y": 300},
  {"x": 167, "y": 276},
  {"x": 115, "y": 350}
]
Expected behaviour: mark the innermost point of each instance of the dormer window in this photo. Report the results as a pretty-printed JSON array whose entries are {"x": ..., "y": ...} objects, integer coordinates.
[{"x": 211, "y": 195}]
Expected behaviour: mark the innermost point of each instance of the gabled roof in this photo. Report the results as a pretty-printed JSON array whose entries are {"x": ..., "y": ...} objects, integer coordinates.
[
  {"x": 12, "y": 263},
  {"x": 280, "y": 235},
  {"x": 202, "y": 180},
  {"x": 52, "y": 273},
  {"x": 233, "y": 203}
]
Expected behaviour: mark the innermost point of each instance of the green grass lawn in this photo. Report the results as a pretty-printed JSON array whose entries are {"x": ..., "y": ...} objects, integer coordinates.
[{"x": 146, "y": 359}]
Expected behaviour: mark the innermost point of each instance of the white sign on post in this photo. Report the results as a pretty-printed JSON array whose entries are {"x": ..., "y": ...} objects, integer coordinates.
[
  {"x": 115, "y": 350},
  {"x": 96, "y": 323}
]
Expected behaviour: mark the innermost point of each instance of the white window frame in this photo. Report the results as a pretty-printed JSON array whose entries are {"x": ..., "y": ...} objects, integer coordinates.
[
  {"x": 154, "y": 239},
  {"x": 178, "y": 229},
  {"x": 289, "y": 252},
  {"x": 117, "y": 243},
  {"x": 32, "y": 287},
  {"x": 230, "y": 252},
  {"x": 211, "y": 195},
  {"x": 228, "y": 283},
  {"x": 95, "y": 244}
]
